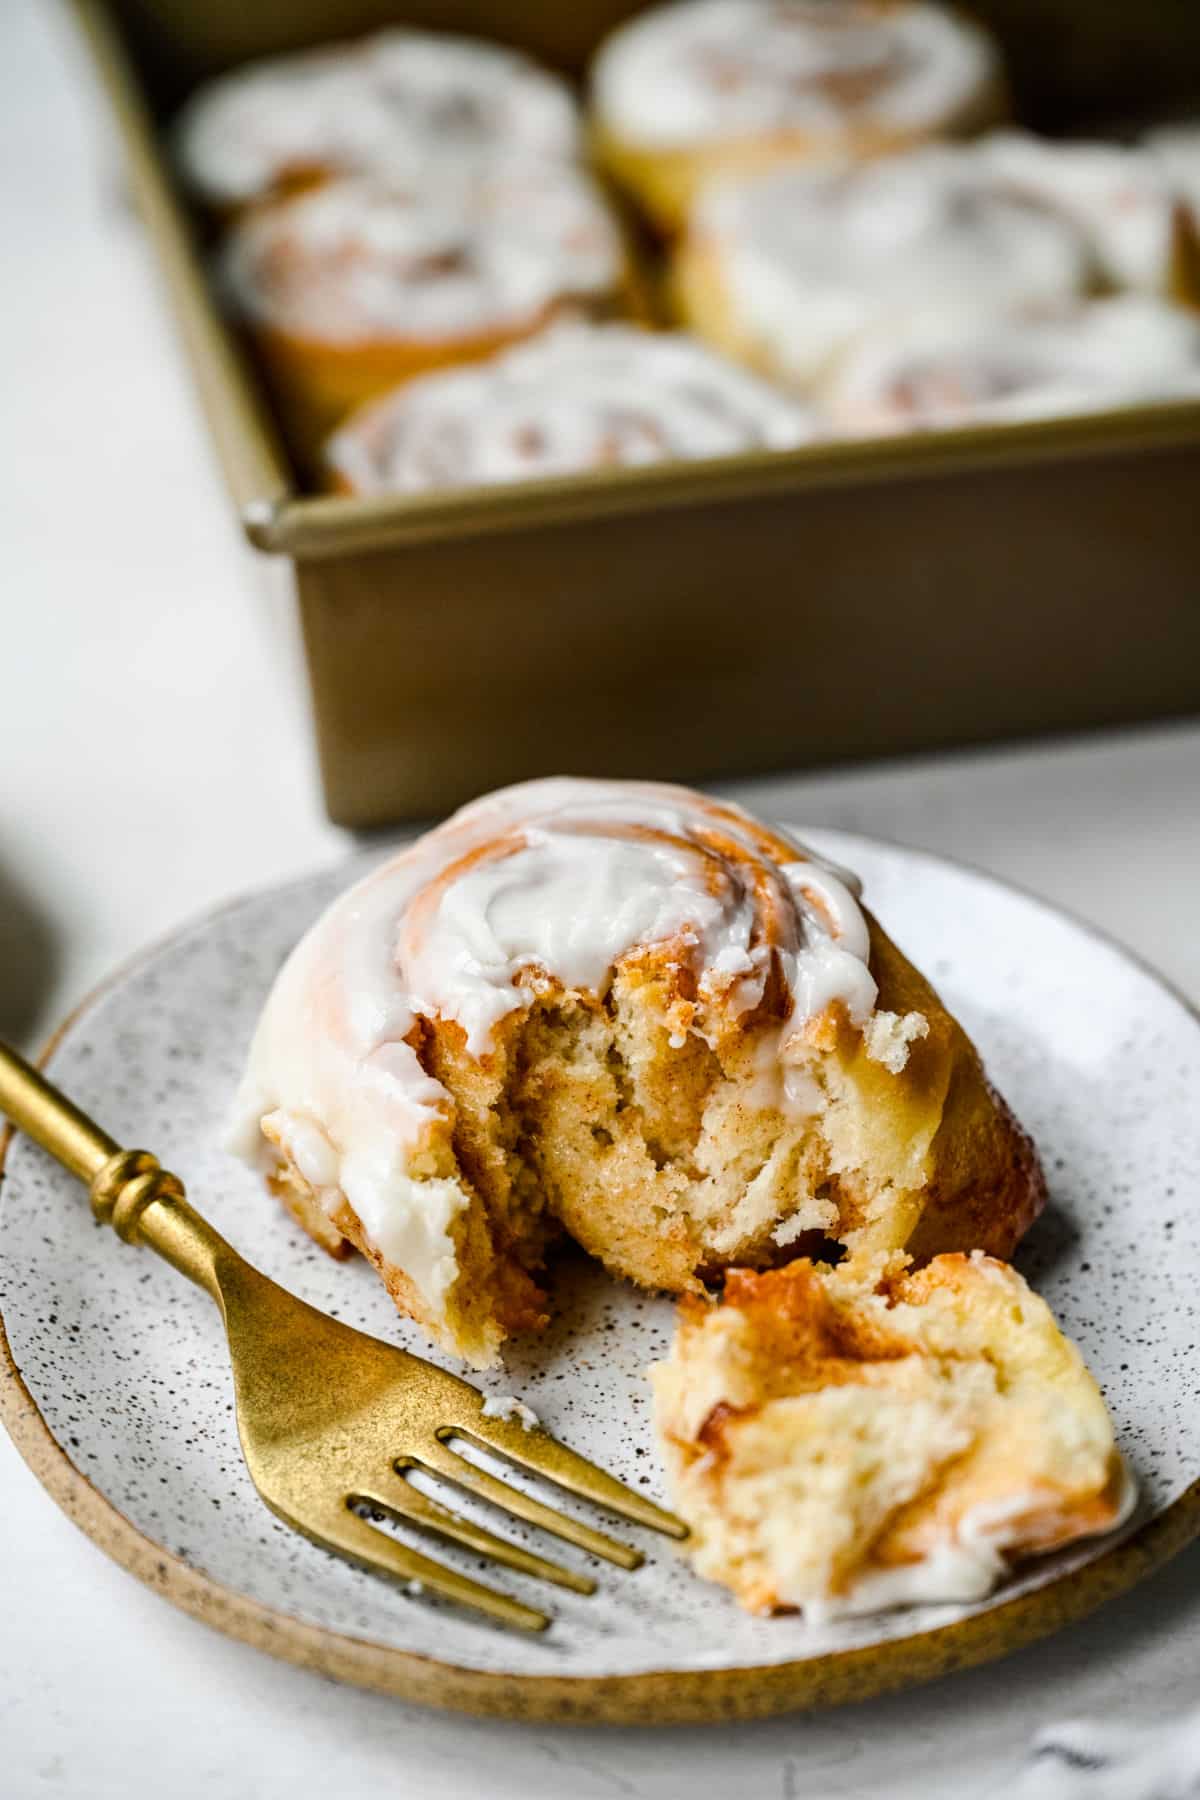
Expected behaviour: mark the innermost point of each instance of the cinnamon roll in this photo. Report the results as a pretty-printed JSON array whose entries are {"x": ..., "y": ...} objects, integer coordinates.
[
  {"x": 708, "y": 88},
  {"x": 854, "y": 1439},
  {"x": 578, "y": 397},
  {"x": 394, "y": 102},
  {"x": 365, "y": 282},
  {"x": 1084, "y": 357},
  {"x": 787, "y": 269},
  {"x": 627, "y": 1012}
]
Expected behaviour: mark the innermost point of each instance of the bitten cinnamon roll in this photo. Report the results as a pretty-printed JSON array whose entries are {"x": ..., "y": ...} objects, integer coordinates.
[
  {"x": 1083, "y": 357},
  {"x": 708, "y": 88},
  {"x": 365, "y": 282},
  {"x": 627, "y": 1012},
  {"x": 788, "y": 268},
  {"x": 853, "y": 1439},
  {"x": 393, "y": 102},
  {"x": 578, "y": 397}
]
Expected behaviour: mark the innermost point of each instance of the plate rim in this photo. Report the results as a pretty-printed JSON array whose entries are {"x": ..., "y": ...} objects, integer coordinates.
[{"x": 650, "y": 1697}]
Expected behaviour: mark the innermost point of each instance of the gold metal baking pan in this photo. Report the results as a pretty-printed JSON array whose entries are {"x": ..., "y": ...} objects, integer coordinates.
[{"x": 703, "y": 619}]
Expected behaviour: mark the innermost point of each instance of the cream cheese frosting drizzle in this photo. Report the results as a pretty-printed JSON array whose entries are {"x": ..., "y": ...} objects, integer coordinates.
[
  {"x": 963, "y": 1566},
  {"x": 726, "y": 69},
  {"x": 550, "y": 880}
]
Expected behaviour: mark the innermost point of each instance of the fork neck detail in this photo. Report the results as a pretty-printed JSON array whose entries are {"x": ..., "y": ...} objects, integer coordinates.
[
  {"x": 145, "y": 1204},
  {"x": 130, "y": 1190}
]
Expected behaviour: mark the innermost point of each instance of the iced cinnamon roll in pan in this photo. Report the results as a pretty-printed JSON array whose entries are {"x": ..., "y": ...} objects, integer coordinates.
[
  {"x": 788, "y": 268},
  {"x": 703, "y": 89},
  {"x": 852, "y": 1439},
  {"x": 397, "y": 102},
  {"x": 632, "y": 1014},
  {"x": 366, "y": 282},
  {"x": 577, "y": 398},
  {"x": 1092, "y": 356}
]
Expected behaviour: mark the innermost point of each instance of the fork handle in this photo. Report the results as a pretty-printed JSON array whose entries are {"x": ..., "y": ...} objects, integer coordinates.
[
  {"x": 36, "y": 1107},
  {"x": 130, "y": 1190}
]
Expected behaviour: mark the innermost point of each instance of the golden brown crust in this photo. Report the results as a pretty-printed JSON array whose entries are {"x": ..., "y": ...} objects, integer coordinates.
[
  {"x": 984, "y": 1184},
  {"x": 802, "y": 1339},
  {"x": 494, "y": 1296},
  {"x": 698, "y": 298},
  {"x": 290, "y": 1187}
]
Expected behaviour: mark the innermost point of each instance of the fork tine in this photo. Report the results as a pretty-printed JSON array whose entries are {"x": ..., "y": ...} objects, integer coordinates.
[
  {"x": 537, "y": 1451},
  {"x": 399, "y": 1496},
  {"x": 510, "y": 1498},
  {"x": 456, "y": 1468},
  {"x": 346, "y": 1534}
]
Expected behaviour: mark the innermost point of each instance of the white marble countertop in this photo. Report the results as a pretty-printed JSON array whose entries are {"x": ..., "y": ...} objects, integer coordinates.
[{"x": 153, "y": 758}]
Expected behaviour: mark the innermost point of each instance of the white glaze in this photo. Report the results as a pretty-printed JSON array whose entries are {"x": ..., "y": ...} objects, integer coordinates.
[
  {"x": 397, "y": 101},
  {"x": 507, "y": 1406},
  {"x": 1071, "y": 359},
  {"x": 1120, "y": 199},
  {"x": 464, "y": 250},
  {"x": 562, "y": 877},
  {"x": 958, "y": 1570},
  {"x": 700, "y": 70},
  {"x": 811, "y": 256},
  {"x": 577, "y": 397}
]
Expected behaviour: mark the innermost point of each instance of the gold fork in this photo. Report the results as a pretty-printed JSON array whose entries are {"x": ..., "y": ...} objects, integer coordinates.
[{"x": 333, "y": 1423}]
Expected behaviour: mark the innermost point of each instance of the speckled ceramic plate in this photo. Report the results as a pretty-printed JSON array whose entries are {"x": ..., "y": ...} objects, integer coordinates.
[{"x": 116, "y": 1386}]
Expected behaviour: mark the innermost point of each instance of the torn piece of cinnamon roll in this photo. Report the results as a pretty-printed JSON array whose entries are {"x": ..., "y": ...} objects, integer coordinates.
[{"x": 854, "y": 1439}]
